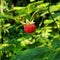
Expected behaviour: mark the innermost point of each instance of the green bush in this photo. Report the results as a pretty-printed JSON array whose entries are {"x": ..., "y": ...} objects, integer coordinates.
[{"x": 43, "y": 44}]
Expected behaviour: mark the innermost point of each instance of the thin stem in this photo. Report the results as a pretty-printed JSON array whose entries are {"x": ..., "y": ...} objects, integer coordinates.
[
  {"x": 34, "y": 14},
  {"x": 51, "y": 15}
]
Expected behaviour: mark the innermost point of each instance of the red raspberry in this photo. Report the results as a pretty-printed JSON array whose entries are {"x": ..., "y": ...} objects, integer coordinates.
[{"x": 29, "y": 28}]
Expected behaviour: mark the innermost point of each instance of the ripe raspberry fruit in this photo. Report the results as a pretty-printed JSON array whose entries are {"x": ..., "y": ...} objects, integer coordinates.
[{"x": 29, "y": 27}]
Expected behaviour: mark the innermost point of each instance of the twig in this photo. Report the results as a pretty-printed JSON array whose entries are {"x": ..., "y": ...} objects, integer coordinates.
[{"x": 52, "y": 16}]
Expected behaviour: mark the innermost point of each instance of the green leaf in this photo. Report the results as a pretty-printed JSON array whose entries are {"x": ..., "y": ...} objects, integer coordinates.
[
  {"x": 18, "y": 8},
  {"x": 48, "y": 21},
  {"x": 35, "y": 54},
  {"x": 7, "y": 25}
]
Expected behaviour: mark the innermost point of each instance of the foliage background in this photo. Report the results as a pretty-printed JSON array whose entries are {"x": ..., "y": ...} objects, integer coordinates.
[{"x": 43, "y": 44}]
